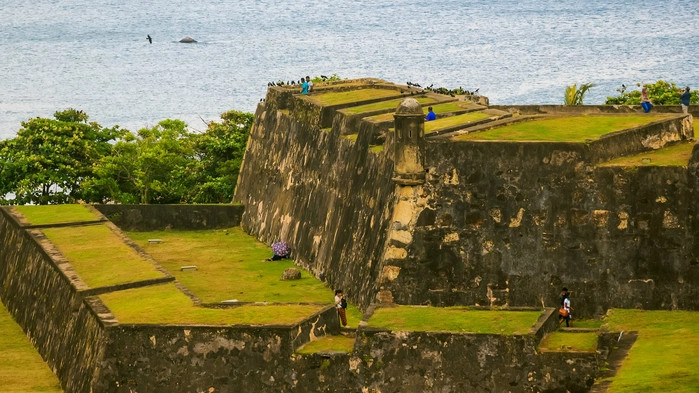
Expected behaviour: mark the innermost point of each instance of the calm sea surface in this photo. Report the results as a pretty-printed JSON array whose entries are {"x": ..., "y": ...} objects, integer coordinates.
[{"x": 93, "y": 54}]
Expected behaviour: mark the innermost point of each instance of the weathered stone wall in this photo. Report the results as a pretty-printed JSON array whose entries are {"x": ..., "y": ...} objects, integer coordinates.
[
  {"x": 152, "y": 358},
  {"x": 511, "y": 223},
  {"x": 159, "y": 217},
  {"x": 328, "y": 197},
  {"x": 53, "y": 314},
  {"x": 407, "y": 362}
]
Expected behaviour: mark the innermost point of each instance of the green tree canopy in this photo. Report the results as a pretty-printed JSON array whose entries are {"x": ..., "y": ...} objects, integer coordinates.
[
  {"x": 660, "y": 93},
  {"x": 153, "y": 166},
  {"x": 48, "y": 159},
  {"x": 220, "y": 153}
]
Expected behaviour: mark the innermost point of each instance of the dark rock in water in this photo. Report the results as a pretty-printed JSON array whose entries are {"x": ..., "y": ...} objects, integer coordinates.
[{"x": 188, "y": 40}]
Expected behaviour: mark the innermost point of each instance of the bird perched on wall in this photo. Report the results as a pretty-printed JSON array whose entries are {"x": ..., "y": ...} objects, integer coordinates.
[{"x": 324, "y": 78}]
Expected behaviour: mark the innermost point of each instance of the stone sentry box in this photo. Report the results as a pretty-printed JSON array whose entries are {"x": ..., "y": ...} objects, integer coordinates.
[{"x": 409, "y": 144}]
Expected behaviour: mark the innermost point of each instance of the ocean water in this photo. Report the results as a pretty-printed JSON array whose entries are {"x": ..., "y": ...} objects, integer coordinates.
[{"x": 93, "y": 54}]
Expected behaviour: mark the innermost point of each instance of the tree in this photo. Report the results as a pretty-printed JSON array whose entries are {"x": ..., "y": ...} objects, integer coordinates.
[
  {"x": 575, "y": 96},
  {"x": 153, "y": 166},
  {"x": 660, "y": 93},
  {"x": 48, "y": 161},
  {"x": 220, "y": 153}
]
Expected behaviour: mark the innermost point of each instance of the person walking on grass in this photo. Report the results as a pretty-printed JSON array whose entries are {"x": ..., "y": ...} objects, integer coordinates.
[{"x": 341, "y": 305}]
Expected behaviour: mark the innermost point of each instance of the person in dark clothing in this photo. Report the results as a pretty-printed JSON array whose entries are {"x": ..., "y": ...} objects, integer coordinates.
[{"x": 684, "y": 98}]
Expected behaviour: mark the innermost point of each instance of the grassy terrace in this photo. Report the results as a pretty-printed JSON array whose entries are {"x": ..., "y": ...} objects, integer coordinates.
[
  {"x": 563, "y": 341},
  {"x": 328, "y": 343},
  {"x": 22, "y": 370},
  {"x": 563, "y": 129},
  {"x": 677, "y": 155},
  {"x": 165, "y": 304},
  {"x": 449, "y": 107},
  {"x": 446, "y": 122},
  {"x": 664, "y": 357},
  {"x": 56, "y": 214},
  {"x": 454, "y": 319},
  {"x": 229, "y": 266},
  {"x": 390, "y": 104},
  {"x": 99, "y": 256},
  {"x": 345, "y": 97}
]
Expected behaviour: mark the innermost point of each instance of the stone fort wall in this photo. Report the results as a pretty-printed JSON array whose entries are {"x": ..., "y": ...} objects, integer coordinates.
[
  {"x": 512, "y": 223},
  {"x": 66, "y": 331},
  {"x": 495, "y": 224},
  {"x": 327, "y": 196}
]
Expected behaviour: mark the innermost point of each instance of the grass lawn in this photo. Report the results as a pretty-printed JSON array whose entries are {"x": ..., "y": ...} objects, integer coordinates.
[
  {"x": 587, "y": 323},
  {"x": 22, "y": 370},
  {"x": 390, "y": 104},
  {"x": 568, "y": 341},
  {"x": 563, "y": 129},
  {"x": 345, "y": 97},
  {"x": 664, "y": 357},
  {"x": 676, "y": 155},
  {"x": 376, "y": 149},
  {"x": 56, "y": 214},
  {"x": 328, "y": 343},
  {"x": 230, "y": 266},
  {"x": 449, "y": 107},
  {"x": 454, "y": 319},
  {"x": 451, "y": 121},
  {"x": 99, "y": 256},
  {"x": 381, "y": 118},
  {"x": 165, "y": 304}
]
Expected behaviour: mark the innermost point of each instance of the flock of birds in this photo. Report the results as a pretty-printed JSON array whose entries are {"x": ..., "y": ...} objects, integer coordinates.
[
  {"x": 459, "y": 91},
  {"x": 440, "y": 90},
  {"x": 280, "y": 82}
]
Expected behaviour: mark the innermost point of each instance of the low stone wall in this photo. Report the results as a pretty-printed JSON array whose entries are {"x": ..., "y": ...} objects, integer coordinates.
[
  {"x": 150, "y": 358},
  {"x": 53, "y": 314},
  {"x": 611, "y": 109},
  {"x": 648, "y": 137},
  {"x": 182, "y": 217},
  {"x": 417, "y": 362}
]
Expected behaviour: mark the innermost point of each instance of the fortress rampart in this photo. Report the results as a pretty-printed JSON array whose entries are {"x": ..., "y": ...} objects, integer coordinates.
[{"x": 495, "y": 223}]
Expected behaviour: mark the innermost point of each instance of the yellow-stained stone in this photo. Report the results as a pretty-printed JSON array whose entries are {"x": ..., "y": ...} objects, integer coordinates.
[
  {"x": 517, "y": 221},
  {"x": 624, "y": 220},
  {"x": 600, "y": 217},
  {"x": 670, "y": 221},
  {"x": 390, "y": 273},
  {"x": 396, "y": 253},
  {"x": 404, "y": 237},
  {"x": 451, "y": 237}
]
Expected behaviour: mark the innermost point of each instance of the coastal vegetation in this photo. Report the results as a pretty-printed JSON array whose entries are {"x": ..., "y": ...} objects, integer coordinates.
[
  {"x": 660, "y": 93},
  {"x": 575, "y": 95},
  {"x": 68, "y": 159}
]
